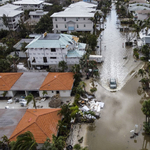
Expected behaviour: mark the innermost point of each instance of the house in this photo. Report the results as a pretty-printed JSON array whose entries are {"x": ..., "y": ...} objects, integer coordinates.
[
  {"x": 12, "y": 84},
  {"x": 13, "y": 14},
  {"x": 146, "y": 40},
  {"x": 7, "y": 80},
  {"x": 57, "y": 83},
  {"x": 9, "y": 118},
  {"x": 41, "y": 122},
  {"x": 76, "y": 17},
  {"x": 30, "y": 4},
  {"x": 35, "y": 17},
  {"x": 18, "y": 47},
  {"x": 49, "y": 49}
]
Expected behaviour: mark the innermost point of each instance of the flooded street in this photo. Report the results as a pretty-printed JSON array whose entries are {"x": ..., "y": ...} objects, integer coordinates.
[
  {"x": 122, "y": 109},
  {"x": 113, "y": 50}
]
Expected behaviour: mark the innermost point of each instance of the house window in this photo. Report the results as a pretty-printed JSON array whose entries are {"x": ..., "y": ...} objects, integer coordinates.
[
  {"x": 83, "y": 18},
  {"x": 52, "y": 57},
  {"x": 56, "y": 26},
  {"x": 65, "y": 26},
  {"x": 45, "y": 59},
  {"x": 53, "y": 50},
  {"x": 52, "y": 91},
  {"x": 84, "y": 25},
  {"x": 33, "y": 60},
  {"x": 55, "y": 19},
  {"x": 77, "y": 26},
  {"x": 57, "y": 92},
  {"x": 76, "y": 19},
  {"x": 64, "y": 19}
]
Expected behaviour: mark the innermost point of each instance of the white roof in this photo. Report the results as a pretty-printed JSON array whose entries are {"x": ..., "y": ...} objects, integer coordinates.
[
  {"x": 10, "y": 10},
  {"x": 38, "y": 13},
  {"x": 79, "y": 9},
  {"x": 28, "y": 2}
]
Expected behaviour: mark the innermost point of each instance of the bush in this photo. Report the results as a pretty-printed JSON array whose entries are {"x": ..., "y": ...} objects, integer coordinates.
[{"x": 94, "y": 89}]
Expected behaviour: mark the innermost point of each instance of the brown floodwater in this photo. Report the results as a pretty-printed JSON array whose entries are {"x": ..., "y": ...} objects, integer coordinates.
[
  {"x": 122, "y": 109},
  {"x": 121, "y": 113}
]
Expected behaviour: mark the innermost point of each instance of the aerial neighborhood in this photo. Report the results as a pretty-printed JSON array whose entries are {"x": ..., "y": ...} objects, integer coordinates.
[{"x": 74, "y": 74}]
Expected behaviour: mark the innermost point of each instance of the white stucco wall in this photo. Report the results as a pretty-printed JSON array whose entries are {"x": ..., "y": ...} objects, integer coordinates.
[
  {"x": 80, "y": 24},
  {"x": 52, "y": 93},
  {"x": 9, "y": 94}
]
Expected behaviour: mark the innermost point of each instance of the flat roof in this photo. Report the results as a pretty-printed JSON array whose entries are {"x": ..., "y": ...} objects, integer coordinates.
[
  {"x": 29, "y": 81},
  {"x": 9, "y": 119}
]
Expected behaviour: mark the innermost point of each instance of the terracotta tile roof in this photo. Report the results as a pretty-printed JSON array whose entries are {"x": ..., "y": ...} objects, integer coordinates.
[
  {"x": 7, "y": 80},
  {"x": 58, "y": 81},
  {"x": 41, "y": 122}
]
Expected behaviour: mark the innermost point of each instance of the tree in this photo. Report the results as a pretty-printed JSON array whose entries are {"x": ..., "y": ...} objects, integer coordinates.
[
  {"x": 44, "y": 93},
  {"x": 30, "y": 98},
  {"x": 74, "y": 111},
  {"x": 25, "y": 141},
  {"x": 58, "y": 143},
  {"x": 5, "y": 66},
  {"x": 145, "y": 51},
  {"x": 146, "y": 111},
  {"x": 83, "y": 85},
  {"x": 5, "y": 21},
  {"x": 141, "y": 72},
  {"x": 92, "y": 41},
  {"x": 5, "y": 143},
  {"x": 65, "y": 112},
  {"x": 138, "y": 27},
  {"x": 63, "y": 66},
  {"x": 78, "y": 147}
]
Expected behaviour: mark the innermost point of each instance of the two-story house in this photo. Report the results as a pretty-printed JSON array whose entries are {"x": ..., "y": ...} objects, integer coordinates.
[
  {"x": 76, "y": 17},
  {"x": 30, "y": 4},
  {"x": 13, "y": 15},
  {"x": 49, "y": 49}
]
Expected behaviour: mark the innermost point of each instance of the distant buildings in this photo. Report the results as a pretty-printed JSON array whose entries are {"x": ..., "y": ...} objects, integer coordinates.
[
  {"x": 13, "y": 15},
  {"x": 76, "y": 17}
]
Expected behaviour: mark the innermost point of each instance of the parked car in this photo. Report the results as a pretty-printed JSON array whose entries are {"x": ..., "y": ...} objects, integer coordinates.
[
  {"x": 22, "y": 100},
  {"x": 23, "y": 104},
  {"x": 113, "y": 84},
  {"x": 9, "y": 101}
]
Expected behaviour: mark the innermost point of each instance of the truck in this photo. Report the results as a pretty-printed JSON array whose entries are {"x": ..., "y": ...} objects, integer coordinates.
[{"x": 97, "y": 58}]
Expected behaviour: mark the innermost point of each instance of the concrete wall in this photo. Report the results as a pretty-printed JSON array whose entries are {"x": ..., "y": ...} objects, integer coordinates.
[{"x": 9, "y": 94}]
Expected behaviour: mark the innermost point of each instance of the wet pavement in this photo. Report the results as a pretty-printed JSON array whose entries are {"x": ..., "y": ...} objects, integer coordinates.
[
  {"x": 122, "y": 109},
  {"x": 113, "y": 50}
]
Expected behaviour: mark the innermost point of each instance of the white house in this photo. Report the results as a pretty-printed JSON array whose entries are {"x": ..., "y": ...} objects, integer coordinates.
[
  {"x": 49, "y": 49},
  {"x": 13, "y": 14},
  {"x": 76, "y": 17},
  {"x": 30, "y": 4}
]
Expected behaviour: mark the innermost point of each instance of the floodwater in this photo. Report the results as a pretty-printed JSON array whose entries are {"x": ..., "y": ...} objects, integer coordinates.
[
  {"x": 113, "y": 50},
  {"x": 122, "y": 109}
]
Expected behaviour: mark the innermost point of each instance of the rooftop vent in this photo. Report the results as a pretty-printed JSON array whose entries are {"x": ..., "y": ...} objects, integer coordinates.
[{"x": 54, "y": 76}]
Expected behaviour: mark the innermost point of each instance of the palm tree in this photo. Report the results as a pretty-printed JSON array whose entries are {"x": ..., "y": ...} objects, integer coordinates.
[
  {"x": 74, "y": 111},
  {"x": 83, "y": 85},
  {"x": 63, "y": 66},
  {"x": 44, "y": 93},
  {"x": 65, "y": 112},
  {"x": 141, "y": 72},
  {"x": 138, "y": 27},
  {"x": 30, "y": 98},
  {"x": 146, "y": 109},
  {"x": 5, "y": 143},
  {"x": 25, "y": 141}
]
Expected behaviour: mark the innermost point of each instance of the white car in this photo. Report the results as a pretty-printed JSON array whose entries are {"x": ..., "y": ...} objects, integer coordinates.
[
  {"x": 9, "y": 101},
  {"x": 22, "y": 100},
  {"x": 23, "y": 104}
]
